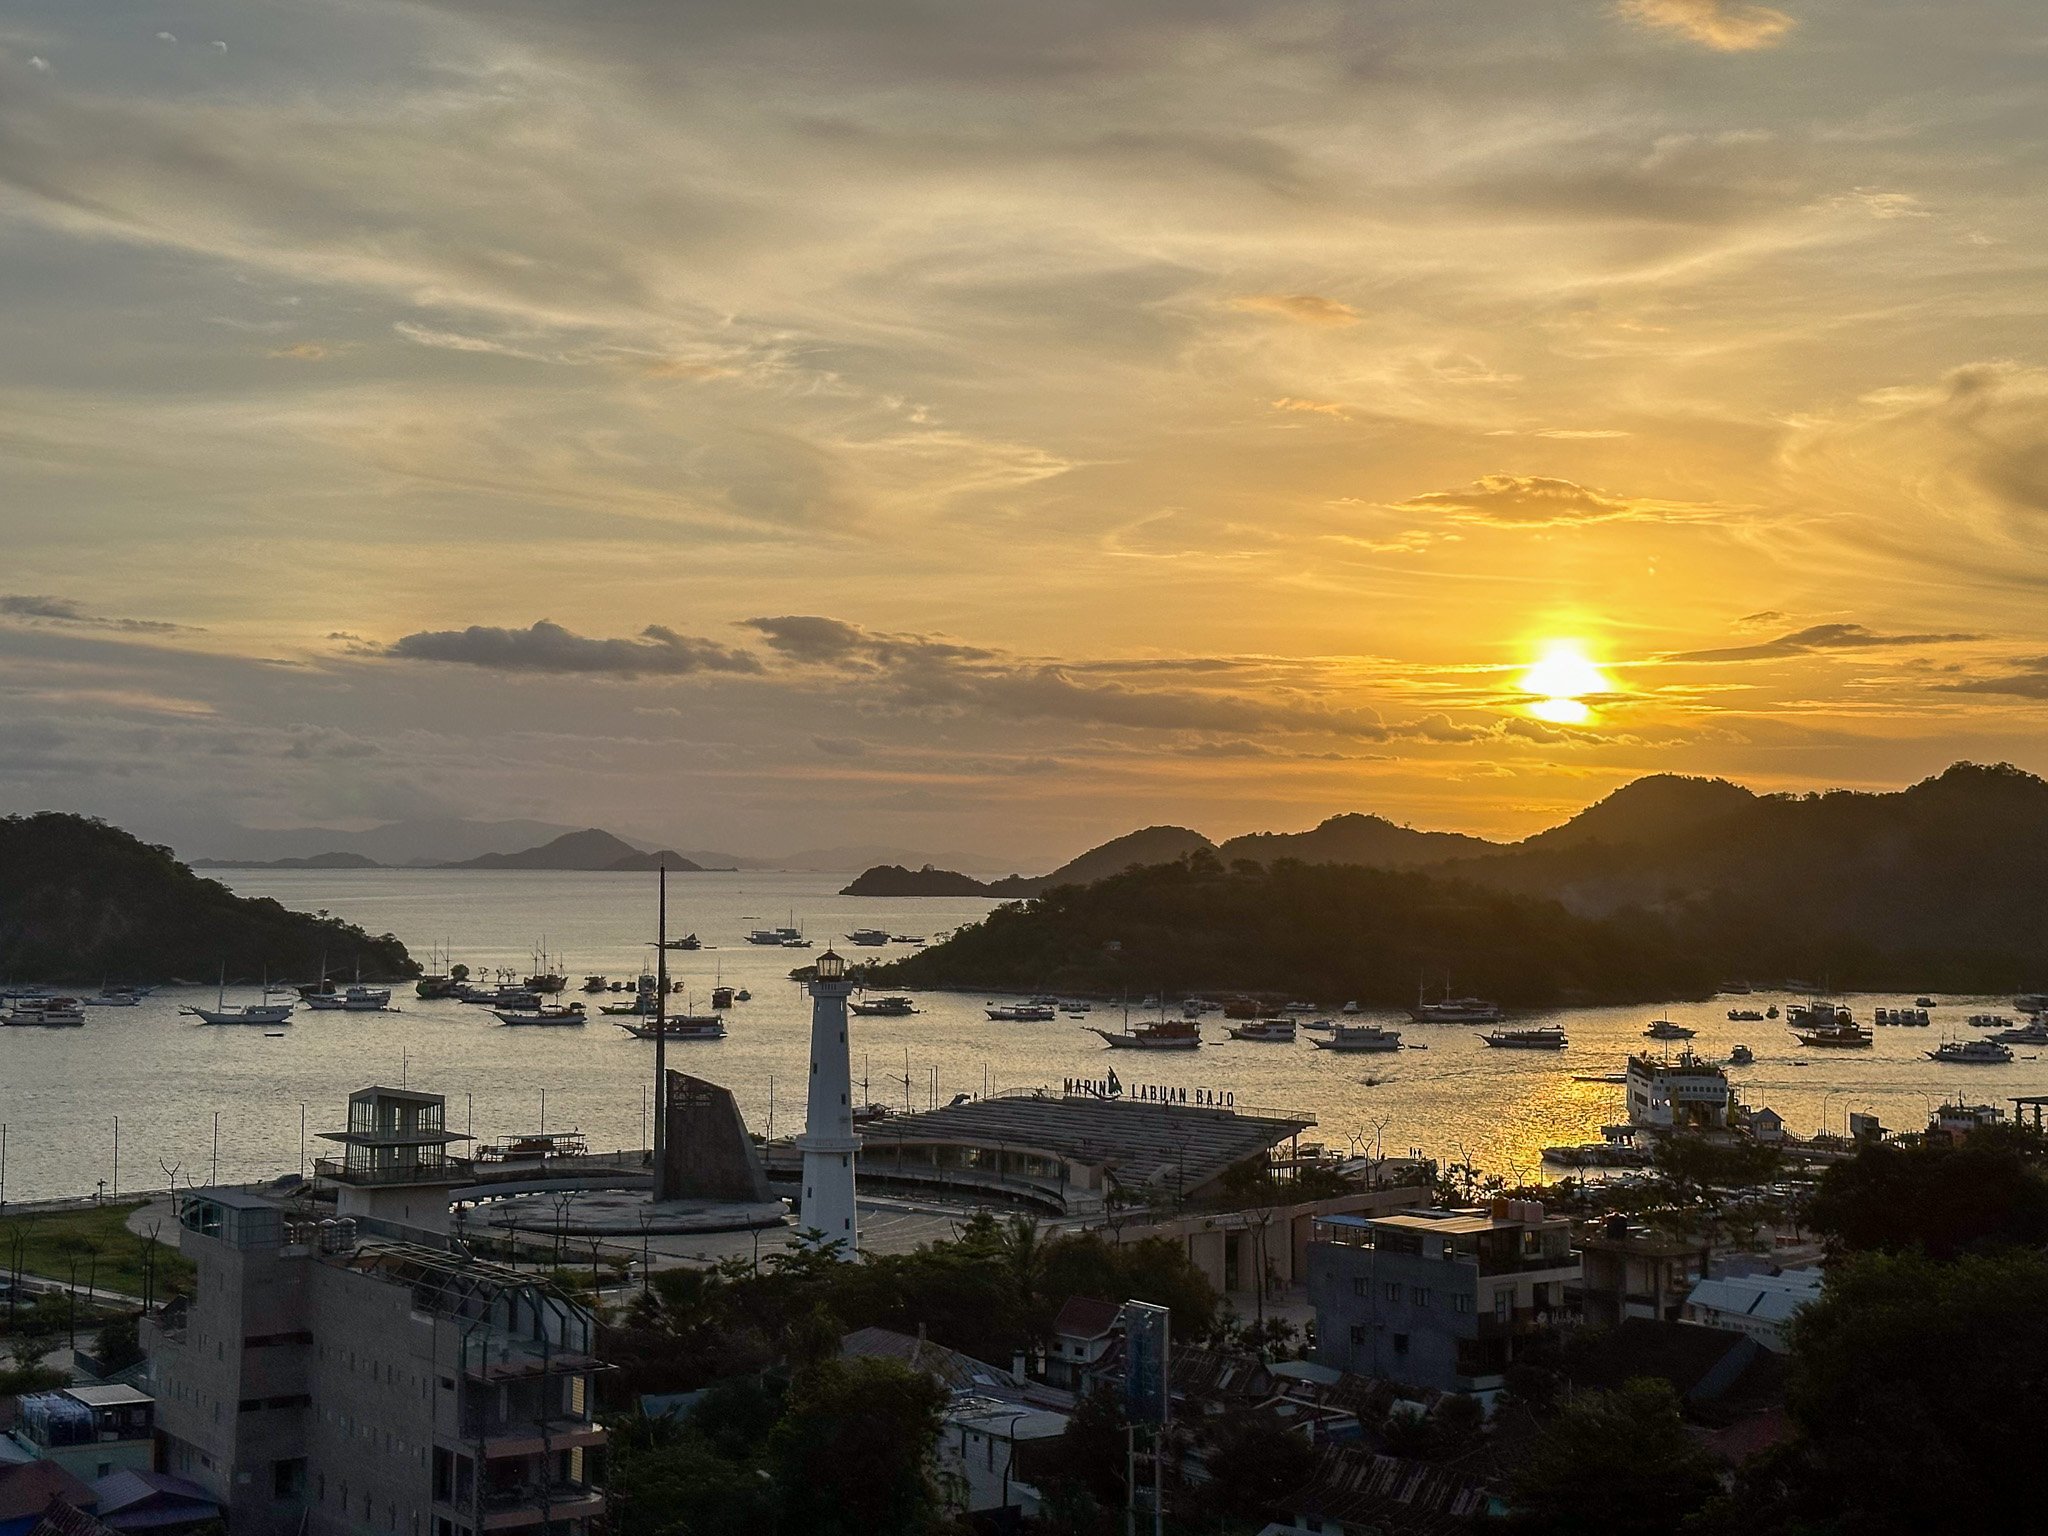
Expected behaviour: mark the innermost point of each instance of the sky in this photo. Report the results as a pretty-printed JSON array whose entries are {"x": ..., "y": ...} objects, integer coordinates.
[{"x": 956, "y": 425}]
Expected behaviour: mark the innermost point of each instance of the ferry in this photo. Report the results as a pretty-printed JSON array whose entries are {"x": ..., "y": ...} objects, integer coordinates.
[
  {"x": 1273, "y": 1031},
  {"x": 1664, "y": 1029},
  {"x": 689, "y": 1026},
  {"x": 1360, "y": 1037},
  {"x": 883, "y": 1008},
  {"x": 1976, "y": 1053},
  {"x": 543, "y": 1015},
  {"x": 1159, "y": 1035},
  {"x": 1549, "y": 1038},
  {"x": 47, "y": 1013},
  {"x": 1455, "y": 1010},
  {"x": 869, "y": 938},
  {"x": 1020, "y": 1013}
]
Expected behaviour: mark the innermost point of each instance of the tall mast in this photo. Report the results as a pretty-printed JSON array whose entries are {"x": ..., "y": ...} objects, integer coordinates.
[{"x": 661, "y": 1041}]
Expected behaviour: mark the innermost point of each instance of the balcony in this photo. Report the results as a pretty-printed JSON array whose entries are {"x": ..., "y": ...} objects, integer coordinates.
[
  {"x": 508, "y": 1509},
  {"x": 1525, "y": 1320},
  {"x": 535, "y": 1437}
]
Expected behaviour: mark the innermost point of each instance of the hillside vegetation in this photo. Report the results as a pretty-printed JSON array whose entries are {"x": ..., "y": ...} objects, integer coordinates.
[
  {"x": 82, "y": 902},
  {"x": 1657, "y": 891}
]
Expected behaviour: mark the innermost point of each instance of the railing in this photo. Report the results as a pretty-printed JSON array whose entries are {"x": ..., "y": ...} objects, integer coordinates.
[{"x": 449, "y": 1172}]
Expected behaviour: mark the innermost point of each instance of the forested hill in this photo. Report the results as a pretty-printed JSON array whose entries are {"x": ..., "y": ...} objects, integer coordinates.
[
  {"x": 1325, "y": 931},
  {"x": 1940, "y": 887},
  {"x": 82, "y": 902}
]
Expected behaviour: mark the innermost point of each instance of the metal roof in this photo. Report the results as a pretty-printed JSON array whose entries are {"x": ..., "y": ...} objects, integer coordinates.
[
  {"x": 1138, "y": 1141},
  {"x": 109, "y": 1397}
]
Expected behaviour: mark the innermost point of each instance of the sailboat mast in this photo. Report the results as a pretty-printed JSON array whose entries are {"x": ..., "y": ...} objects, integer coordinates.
[{"x": 661, "y": 1038}]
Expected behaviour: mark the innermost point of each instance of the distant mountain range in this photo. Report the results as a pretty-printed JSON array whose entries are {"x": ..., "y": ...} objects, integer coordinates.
[{"x": 1942, "y": 886}]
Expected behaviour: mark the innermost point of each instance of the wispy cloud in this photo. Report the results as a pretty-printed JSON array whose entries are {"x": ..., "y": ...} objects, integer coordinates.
[
  {"x": 1815, "y": 639},
  {"x": 1540, "y": 501},
  {"x": 1307, "y": 308},
  {"x": 31, "y": 608}
]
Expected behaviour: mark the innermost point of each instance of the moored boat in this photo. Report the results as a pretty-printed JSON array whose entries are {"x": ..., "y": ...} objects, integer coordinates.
[
  {"x": 1270, "y": 1031},
  {"x": 1155, "y": 1035},
  {"x": 882, "y": 1007},
  {"x": 546, "y": 1015},
  {"x": 1664, "y": 1029},
  {"x": 689, "y": 1026},
  {"x": 1975, "y": 1053},
  {"x": 1741, "y": 1056},
  {"x": 1549, "y": 1037},
  {"x": 1360, "y": 1037},
  {"x": 1020, "y": 1013},
  {"x": 1455, "y": 1010}
]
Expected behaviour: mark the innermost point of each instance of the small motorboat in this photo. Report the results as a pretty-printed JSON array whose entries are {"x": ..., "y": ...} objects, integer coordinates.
[
  {"x": 1664, "y": 1029},
  {"x": 1266, "y": 1031},
  {"x": 1741, "y": 1056}
]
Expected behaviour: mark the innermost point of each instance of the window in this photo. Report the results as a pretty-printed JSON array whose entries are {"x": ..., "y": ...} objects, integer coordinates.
[
  {"x": 1358, "y": 1333},
  {"x": 1418, "y": 1295},
  {"x": 1400, "y": 1343},
  {"x": 1461, "y": 1303},
  {"x": 288, "y": 1478},
  {"x": 1503, "y": 1305},
  {"x": 1391, "y": 1290},
  {"x": 1358, "y": 1287}
]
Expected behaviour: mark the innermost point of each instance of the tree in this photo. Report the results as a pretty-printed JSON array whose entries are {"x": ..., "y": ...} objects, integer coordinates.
[
  {"x": 1917, "y": 1389},
  {"x": 117, "y": 1344},
  {"x": 854, "y": 1454},
  {"x": 667, "y": 1480},
  {"x": 1617, "y": 1463},
  {"x": 1942, "y": 1199},
  {"x": 1082, "y": 1473},
  {"x": 1253, "y": 1459}
]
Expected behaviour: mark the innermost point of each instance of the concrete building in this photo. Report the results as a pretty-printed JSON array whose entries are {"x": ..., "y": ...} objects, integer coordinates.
[
  {"x": 828, "y": 1144},
  {"x": 344, "y": 1378},
  {"x": 395, "y": 1164},
  {"x": 1759, "y": 1306},
  {"x": 1634, "y": 1272},
  {"x": 89, "y": 1431},
  {"x": 1438, "y": 1299},
  {"x": 984, "y": 1453},
  {"x": 1232, "y": 1247},
  {"x": 1081, "y": 1336}
]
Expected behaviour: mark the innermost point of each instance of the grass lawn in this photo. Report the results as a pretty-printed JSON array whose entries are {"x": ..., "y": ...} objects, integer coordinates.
[{"x": 50, "y": 1241}]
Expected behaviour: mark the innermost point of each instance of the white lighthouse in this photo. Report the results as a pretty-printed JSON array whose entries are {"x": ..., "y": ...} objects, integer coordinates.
[{"x": 828, "y": 1142}]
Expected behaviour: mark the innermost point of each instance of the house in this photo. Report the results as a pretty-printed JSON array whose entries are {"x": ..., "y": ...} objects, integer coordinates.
[
  {"x": 1767, "y": 1126},
  {"x": 29, "y": 1488},
  {"x": 1761, "y": 1306},
  {"x": 153, "y": 1501},
  {"x": 985, "y": 1457},
  {"x": 1081, "y": 1336},
  {"x": 1631, "y": 1271},
  {"x": 1440, "y": 1298}
]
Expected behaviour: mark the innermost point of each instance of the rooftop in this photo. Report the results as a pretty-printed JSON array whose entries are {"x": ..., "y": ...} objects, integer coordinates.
[
  {"x": 1140, "y": 1142},
  {"x": 108, "y": 1397},
  {"x": 1086, "y": 1317}
]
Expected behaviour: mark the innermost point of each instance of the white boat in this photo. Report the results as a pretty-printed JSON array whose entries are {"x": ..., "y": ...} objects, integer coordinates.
[
  {"x": 869, "y": 938},
  {"x": 1350, "y": 1007},
  {"x": 1455, "y": 1010},
  {"x": 1976, "y": 1053},
  {"x": 1020, "y": 1013},
  {"x": 2034, "y": 1032},
  {"x": 116, "y": 997},
  {"x": 357, "y": 998},
  {"x": 1272, "y": 1031},
  {"x": 774, "y": 938},
  {"x": 265, "y": 1012},
  {"x": 1360, "y": 1037},
  {"x": 46, "y": 1013},
  {"x": 1664, "y": 1029},
  {"x": 1298, "y": 1008}
]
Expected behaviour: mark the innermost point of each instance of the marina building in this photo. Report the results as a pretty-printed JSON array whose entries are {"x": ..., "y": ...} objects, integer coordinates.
[
  {"x": 345, "y": 1377},
  {"x": 1439, "y": 1299}
]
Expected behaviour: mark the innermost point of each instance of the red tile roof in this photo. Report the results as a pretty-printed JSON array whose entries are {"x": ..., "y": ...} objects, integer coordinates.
[{"x": 1086, "y": 1317}]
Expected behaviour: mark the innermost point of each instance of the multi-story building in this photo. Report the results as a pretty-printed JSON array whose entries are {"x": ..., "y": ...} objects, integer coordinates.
[
  {"x": 1439, "y": 1299},
  {"x": 1635, "y": 1272},
  {"x": 350, "y": 1376}
]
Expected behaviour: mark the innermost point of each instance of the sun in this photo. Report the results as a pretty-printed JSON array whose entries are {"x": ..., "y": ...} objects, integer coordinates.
[{"x": 1560, "y": 678}]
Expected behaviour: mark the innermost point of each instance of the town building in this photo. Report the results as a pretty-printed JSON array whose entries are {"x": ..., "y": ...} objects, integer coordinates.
[
  {"x": 344, "y": 1377},
  {"x": 1685, "y": 1094},
  {"x": 1761, "y": 1306},
  {"x": 88, "y": 1431},
  {"x": 985, "y": 1458},
  {"x": 1631, "y": 1271},
  {"x": 1081, "y": 1336},
  {"x": 1440, "y": 1299}
]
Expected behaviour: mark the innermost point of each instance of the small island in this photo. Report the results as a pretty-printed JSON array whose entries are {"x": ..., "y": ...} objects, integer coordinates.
[
  {"x": 895, "y": 880},
  {"x": 87, "y": 902}
]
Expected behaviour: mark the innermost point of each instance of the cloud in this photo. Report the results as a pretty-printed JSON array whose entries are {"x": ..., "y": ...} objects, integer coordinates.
[
  {"x": 1319, "y": 407},
  {"x": 1816, "y": 638},
  {"x": 35, "y": 608},
  {"x": 1539, "y": 501},
  {"x": 304, "y": 352},
  {"x": 1726, "y": 26},
  {"x": 1307, "y": 308},
  {"x": 547, "y": 647},
  {"x": 840, "y": 746},
  {"x": 2028, "y": 681},
  {"x": 39, "y": 64}
]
